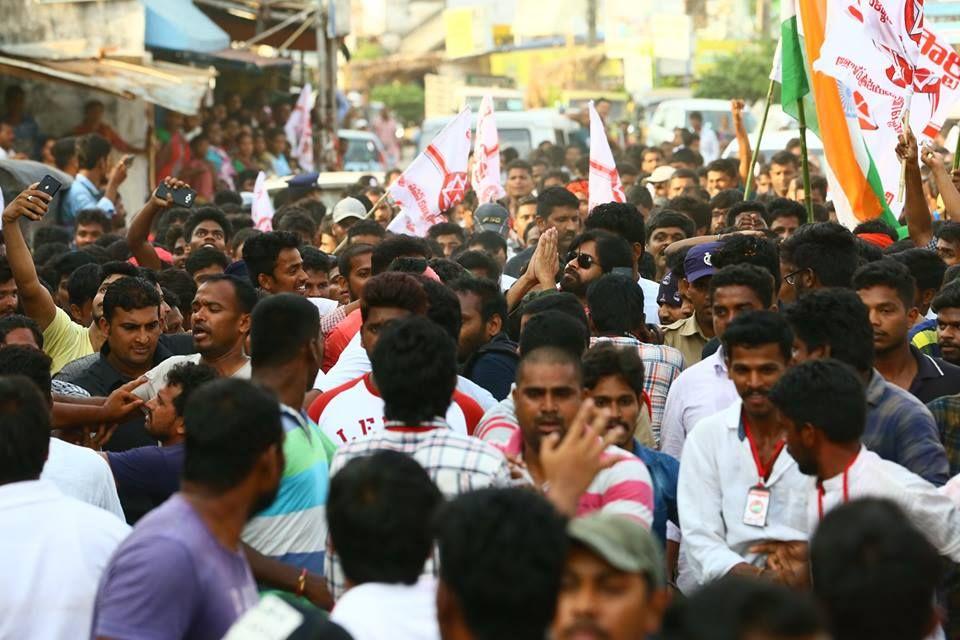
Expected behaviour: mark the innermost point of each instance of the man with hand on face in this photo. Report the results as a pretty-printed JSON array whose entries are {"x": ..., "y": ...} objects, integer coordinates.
[
  {"x": 551, "y": 408},
  {"x": 274, "y": 262},
  {"x": 737, "y": 487},
  {"x": 557, "y": 209},
  {"x": 154, "y": 471},
  {"x": 593, "y": 254},
  {"x": 613, "y": 584}
]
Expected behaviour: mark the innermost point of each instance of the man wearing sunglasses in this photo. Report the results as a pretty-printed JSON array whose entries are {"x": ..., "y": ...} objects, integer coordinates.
[
  {"x": 818, "y": 255},
  {"x": 593, "y": 254}
]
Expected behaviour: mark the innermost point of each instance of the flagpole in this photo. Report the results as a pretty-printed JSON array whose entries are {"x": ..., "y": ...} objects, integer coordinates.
[
  {"x": 343, "y": 242},
  {"x": 748, "y": 187},
  {"x": 804, "y": 161}
]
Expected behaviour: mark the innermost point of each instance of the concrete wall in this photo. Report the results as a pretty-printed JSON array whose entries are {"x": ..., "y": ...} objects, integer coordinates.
[
  {"x": 78, "y": 28},
  {"x": 58, "y": 108}
]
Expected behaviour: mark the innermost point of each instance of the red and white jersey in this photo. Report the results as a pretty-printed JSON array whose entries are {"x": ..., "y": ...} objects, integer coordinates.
[{"x": 354, "y": 410}]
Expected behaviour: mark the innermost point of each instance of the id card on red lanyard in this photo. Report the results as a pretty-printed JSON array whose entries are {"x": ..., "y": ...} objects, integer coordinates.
[{"x": 758, "y": 496}]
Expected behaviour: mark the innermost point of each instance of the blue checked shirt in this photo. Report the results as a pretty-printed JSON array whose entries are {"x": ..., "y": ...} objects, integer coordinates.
[{"x": 902, "y": 430}]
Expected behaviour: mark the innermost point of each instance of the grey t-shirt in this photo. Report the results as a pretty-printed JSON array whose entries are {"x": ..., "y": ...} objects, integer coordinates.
[{"x": 172, "y": 579}]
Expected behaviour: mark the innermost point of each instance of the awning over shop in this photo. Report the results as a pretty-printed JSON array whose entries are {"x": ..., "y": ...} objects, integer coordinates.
[
  {"x": 171, "y": 86},
  {"x": 180, "y": 26}
]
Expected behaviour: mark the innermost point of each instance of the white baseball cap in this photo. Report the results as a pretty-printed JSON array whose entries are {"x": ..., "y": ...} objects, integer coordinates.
[
  {"x": 349, "y": 208},
  {"x": 660, "y": 174}
]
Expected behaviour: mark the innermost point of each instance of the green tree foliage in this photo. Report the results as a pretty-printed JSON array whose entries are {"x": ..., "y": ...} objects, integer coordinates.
[
  {"x": 405, "y": 100},
  {"x": 744, "y": 74}
]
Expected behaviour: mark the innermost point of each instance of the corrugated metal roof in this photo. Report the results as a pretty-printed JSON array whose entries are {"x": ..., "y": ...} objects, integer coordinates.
[{"x": 168, "y": 85}]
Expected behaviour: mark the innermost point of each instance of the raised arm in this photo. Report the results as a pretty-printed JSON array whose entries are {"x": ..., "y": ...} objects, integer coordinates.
[
  {"x": 139, "y": 229},
  {"x": 948, "y": 191},
  {"x": 919, "y": 222},
  {"x": 37, "y": 301},
  {"x": 743, "y": 141}
]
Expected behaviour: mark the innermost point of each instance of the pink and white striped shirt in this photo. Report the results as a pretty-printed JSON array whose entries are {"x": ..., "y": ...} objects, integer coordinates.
[{"x": 625, "y": 488}]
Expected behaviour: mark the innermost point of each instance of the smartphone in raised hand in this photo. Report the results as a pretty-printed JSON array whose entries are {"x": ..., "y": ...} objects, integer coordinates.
[
  {"x": 184, "y": 196},
  {"x": 49, "y": 185}
]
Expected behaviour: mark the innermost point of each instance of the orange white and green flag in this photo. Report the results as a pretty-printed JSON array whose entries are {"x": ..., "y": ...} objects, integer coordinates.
[{"x": 853, "y": 177}]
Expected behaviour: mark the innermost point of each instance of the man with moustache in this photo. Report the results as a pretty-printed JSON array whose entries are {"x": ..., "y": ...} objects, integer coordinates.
[
  {"x": 613, "y": 584},
  {"x": 737, "y": 486},
  {"x": 221, "y": 322},
  {"x": 593, "y": 254},
  {"x": 557, "y": 209}
]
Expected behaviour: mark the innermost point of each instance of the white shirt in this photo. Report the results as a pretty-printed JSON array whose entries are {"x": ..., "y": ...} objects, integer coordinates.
[
  {"x": 376, "y": 611},
  {"x": 506, "y": 282},
  {"x": 354, "y": 362},
  {"x": 354, "y": 411},
  {"x": 54, "y": 550},
  {"x": 709, "y": 144},
  {"x": 82, "y": 474},
  {"x": 698, "y": 392},
  {"x": 651, "y": 310},
  {"x": 929, "y": 509},
  {"x": 716, "y": 473},
  {"x": 157, "y": 377},
  {"x": 952, "y": 490}
]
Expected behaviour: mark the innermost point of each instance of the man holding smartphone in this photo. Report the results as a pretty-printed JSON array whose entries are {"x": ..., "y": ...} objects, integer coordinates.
[{"x": 93, "y": 152}]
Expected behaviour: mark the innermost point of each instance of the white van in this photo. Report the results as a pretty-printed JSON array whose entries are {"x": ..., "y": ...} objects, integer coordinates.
[
  {"x": 522, "y": 130},
  {"x": 674, "y": 114}
]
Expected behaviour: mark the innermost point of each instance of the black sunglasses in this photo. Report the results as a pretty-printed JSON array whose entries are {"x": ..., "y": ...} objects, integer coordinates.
[{"x": 584, "y": 261}]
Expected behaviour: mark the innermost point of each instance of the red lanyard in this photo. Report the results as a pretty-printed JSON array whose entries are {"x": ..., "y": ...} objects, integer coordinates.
[
  {"x": 764, "y": 470},
  {"x": 846, "y": 488}
]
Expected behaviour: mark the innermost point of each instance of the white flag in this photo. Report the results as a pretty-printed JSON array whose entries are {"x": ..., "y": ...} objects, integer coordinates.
[
  {"x": 486, "y": 156},
  {"x": 873, "y": 50},
  {"x": 299, "y": 128},
  {"x": 604, "y": 185},
  {"x": 435, "y": 181},
  {"x": 261, "y": 210}
]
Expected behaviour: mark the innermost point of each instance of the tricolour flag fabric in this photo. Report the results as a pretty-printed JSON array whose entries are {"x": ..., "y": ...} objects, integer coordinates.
[
  {"x": 854, "y": 180},
  {"x": 261, "y": 210},
  {"x": 604, "y": 183},
  {"x": 486, "y": 156},
  {"x": 299, "y": 129},
  {"x": 435, "y": 181}
]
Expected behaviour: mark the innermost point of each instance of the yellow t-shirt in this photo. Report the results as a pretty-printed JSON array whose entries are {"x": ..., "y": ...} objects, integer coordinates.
[{"x": 65, "y": 341}]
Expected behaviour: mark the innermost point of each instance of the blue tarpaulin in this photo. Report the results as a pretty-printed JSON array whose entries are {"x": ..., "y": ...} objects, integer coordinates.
[{"x": 180, "y": 26}]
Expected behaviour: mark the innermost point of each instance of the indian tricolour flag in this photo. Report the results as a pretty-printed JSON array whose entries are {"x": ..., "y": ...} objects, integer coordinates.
[{"x": 854, "y": 181}]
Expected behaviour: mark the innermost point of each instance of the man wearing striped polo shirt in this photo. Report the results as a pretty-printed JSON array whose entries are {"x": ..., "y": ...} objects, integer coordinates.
[{"x": 285, "y": 541}]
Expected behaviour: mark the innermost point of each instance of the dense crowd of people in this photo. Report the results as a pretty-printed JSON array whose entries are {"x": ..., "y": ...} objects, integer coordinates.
[{"x": 685, "y": 416}]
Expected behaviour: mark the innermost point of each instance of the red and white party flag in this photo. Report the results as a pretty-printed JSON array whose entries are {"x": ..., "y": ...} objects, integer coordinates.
[
  {"x": 435, "y": 181},
  {"x": 604, "y": 185},
  {"x": 299, "y": 129},
  {"x": 261, "y": 210},
  {"x": 486, "y": 156}
]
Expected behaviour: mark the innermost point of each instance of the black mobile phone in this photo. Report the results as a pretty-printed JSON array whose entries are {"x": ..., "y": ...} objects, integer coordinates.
[
  {"x": 49, "y": 185},
  {"x": 183, "y": 197}
]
